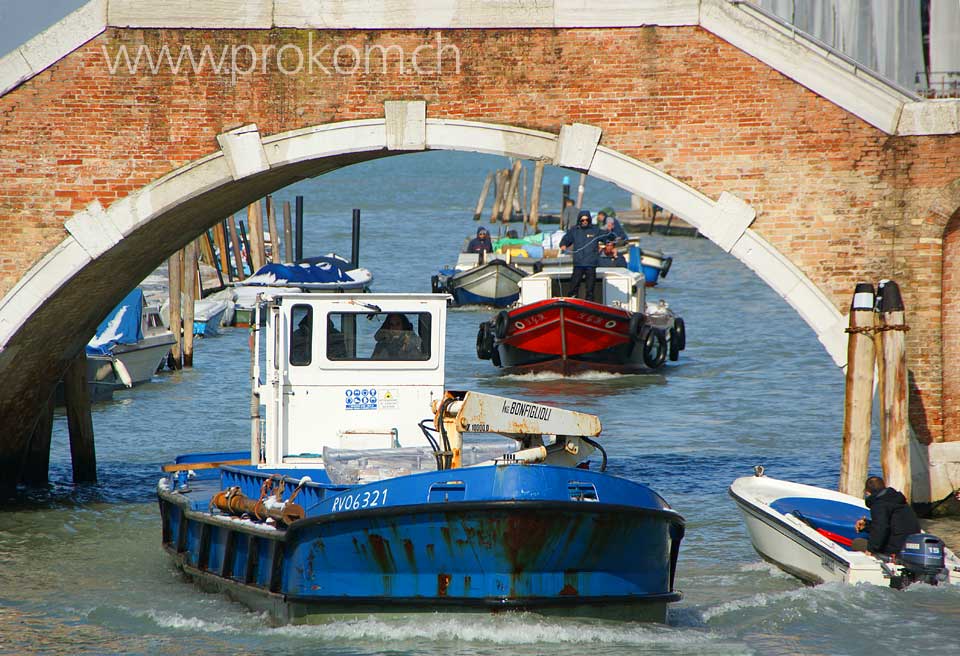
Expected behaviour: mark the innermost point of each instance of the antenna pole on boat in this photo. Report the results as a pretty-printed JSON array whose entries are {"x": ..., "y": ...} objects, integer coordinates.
[{"x": 355, "y": 240}]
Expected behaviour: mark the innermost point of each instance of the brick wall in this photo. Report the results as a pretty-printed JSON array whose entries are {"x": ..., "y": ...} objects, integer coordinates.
[{"x": 842, "y": 200}]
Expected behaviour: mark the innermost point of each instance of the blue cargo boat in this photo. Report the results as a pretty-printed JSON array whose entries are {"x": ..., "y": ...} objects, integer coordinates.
[{"x": 360, "y": 494}]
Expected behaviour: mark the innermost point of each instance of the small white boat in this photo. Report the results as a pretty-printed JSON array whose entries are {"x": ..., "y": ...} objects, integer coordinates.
[
  {"x": 479, "y": 280},
  {"x": 807, "y": 531},
  {"x": 130, "y": 345}
]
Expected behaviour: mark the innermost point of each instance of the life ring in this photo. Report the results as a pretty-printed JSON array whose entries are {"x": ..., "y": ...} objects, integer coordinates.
[
  {"x": 654, "y": 348},
  {"x": 674, "y": 344},
  {"x": 681, "y": 330},
  {"x": 484, "y": 341},
  {"x": 501, "y": 324}
]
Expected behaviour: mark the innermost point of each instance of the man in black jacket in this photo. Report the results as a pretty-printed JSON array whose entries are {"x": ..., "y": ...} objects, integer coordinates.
[
  {"x": 891, "y": 518},
  {"x": 584, "y": 240}
]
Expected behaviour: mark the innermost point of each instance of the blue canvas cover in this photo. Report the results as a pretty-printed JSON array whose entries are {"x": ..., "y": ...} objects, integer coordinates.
[
  {"x": 315, "y": 270},
  {"x": 122, "y": 325}
]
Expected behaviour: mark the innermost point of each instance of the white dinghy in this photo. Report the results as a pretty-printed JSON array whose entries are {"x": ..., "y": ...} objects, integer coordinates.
[{"x": 807, "y": 531}]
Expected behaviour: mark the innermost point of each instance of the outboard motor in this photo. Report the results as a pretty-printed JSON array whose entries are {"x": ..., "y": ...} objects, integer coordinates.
[{"x": 923, "y": 559}]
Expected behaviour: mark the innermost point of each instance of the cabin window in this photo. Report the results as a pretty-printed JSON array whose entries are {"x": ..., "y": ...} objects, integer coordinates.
[
  {"x": 389, "y": 336},
  {"x": 301, "y": 335}
]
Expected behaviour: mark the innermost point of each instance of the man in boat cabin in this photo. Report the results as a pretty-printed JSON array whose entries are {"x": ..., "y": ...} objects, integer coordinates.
[
  {"x": 585, "y": 242},
  {"x": 609, "y": 257},
  {"x": 891, "y": 518},
  {"x": 481, "y": 243}
]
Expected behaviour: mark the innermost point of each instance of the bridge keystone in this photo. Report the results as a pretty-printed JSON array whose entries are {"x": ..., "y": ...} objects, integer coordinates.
[
  {"x": 406, "y": 124},
  {"x": 576, "y": 146},
  {"x": 244, "y": 151},
  {"x": 93, "y": 230}
]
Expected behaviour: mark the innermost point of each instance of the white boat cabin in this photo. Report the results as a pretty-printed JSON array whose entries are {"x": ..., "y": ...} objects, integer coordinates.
[
  {"x": 615, "y": 287},
  {"x": 348, "y": 371}
]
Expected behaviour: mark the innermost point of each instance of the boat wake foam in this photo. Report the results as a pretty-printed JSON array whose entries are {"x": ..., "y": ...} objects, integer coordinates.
[{"x": 511, "y": 629}]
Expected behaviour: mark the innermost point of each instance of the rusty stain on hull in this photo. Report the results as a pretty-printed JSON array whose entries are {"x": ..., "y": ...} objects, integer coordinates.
[
  {"x": 382, "y": 554},
  {"x": 443, "y": 582},
  {"x": 408, "y": 550}
]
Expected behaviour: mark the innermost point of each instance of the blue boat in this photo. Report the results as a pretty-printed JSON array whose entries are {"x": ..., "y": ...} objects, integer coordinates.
[
  {"x": 360, "y": 494},
  {"x": 653, "y": 264}
]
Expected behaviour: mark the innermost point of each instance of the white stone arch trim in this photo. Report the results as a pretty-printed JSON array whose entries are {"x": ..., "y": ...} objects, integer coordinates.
[{"x": 725, "y": 221}]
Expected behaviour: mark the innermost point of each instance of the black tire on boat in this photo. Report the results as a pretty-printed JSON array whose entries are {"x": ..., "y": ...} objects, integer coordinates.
[
  {"x": 636, "y": 326},
  {"x": 681, "y": 329},
  {"x": 654, "y": 348},
  {"x": 484, "y": 341},
  {"x": 665, "y": 266},
  {"x": 537, "y": 267},
  {"x": 674, "y": 345},
  {"x": 501, "y": 324},
  {"x": 435, "y": 284},
  {"x": 495, "y": 357}
]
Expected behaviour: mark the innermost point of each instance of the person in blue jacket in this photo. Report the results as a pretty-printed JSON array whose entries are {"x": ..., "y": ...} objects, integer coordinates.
[
  {"x": 611, "y": 225},
  {"x": 481, "y": 243},
  {"x": 584, "y": 241}
]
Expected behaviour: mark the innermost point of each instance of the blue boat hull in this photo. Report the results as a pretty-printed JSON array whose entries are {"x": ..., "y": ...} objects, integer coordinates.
[{"x": 571, "y": 555}]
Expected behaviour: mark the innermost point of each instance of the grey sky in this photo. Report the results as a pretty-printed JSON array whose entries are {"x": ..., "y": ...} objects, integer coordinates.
[{"x": 21, "y": 20}]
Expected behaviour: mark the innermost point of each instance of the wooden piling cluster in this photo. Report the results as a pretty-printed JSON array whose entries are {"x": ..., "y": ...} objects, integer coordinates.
[
  {"x": 876, "y": 344},
  {"x": 512, "y": 196}
]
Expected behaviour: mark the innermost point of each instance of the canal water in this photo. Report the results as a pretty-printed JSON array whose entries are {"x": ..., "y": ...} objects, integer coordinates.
[{"x": 82, "y": 570}]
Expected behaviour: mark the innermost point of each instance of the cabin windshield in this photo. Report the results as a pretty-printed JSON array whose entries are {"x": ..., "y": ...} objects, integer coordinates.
[{"x": 396, "y": 336}]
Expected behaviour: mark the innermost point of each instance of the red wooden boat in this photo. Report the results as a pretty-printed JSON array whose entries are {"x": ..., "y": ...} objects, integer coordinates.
[{"x": 551, "y": 332}]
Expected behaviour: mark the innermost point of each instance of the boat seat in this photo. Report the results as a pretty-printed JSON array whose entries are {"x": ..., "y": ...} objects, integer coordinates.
[{"x": 832, "y": 519}]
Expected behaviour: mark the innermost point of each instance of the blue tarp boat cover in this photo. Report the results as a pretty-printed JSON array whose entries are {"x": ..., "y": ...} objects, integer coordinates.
[
  {"x": 314, "y": 270},
  {"x": 122, "y": 325}
]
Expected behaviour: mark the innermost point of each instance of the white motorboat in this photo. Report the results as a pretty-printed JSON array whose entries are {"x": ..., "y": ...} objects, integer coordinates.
[
  {"x": 808, "y": 532},
  {"x": 130, "y": 345}
]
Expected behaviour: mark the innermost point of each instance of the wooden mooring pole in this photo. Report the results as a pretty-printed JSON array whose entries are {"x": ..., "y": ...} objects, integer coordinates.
[
  {"x": 507, "y": 209},
  {"x": 255, "y": 236},
  {"x": 535, "y": 194},
  {"x": 483, "y": 197},
  {"x": 298, "y": 237},
  {"x": 499, "y": 188},
  {"x": 858, "y": 401},
  {"x": 581, "y": 188},
  {"x": 79, "y": 421},
  {"x": 287, "y": 233},
  {"x": 189, "y": 300},
  {"x": 894, "y": 420},
  {"x": 272, "y": 227},
  {"x": 235, "y": 245},
  {"x": 174, "y": 285}
]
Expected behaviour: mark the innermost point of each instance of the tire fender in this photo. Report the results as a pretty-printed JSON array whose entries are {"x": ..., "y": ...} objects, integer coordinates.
[
  {"x": 654, "y": 348},
  {"x": 674, "y": 351},
  {"x": 501, "y": 324},
  {"x": 681, "y": 330}
]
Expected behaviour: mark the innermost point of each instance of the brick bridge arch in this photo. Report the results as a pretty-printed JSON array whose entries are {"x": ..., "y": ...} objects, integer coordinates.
[{"x": 812, "y": 171}]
